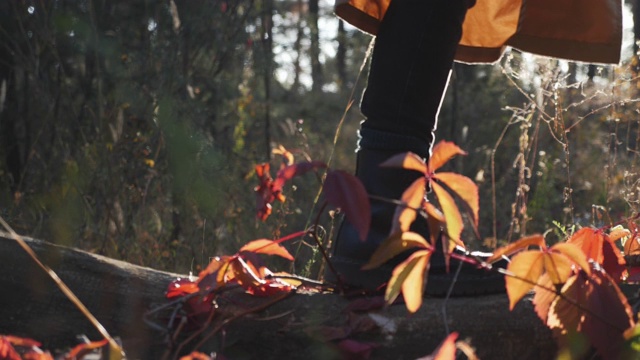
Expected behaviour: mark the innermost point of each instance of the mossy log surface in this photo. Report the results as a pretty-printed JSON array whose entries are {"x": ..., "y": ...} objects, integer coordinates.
[{"x": 119, "y": 294}]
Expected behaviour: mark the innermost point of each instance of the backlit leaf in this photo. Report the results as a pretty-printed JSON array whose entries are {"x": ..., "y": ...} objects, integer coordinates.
[
  {"x": 631, "y": 246},
  {"x": 557, "y": 266},
  {"x": 394, "y": 245},
  {"x": 527, "y": 268},
  {"x": 443, "y": 152},
  {"x": 543, "y": 297},
  {"x": 618, "y": 232},
  {"x": 345, "y": 191},
  {"x": 413, "y": 197},
  {"x": 519, "y": 245},
  {"x": 574, "y": 254},
  {"x": 409, "y": 277},
  {"x": 446, "y": 350},
  {"x": 7, "y": 350},
  {"x": 593, "y": 305},
  {"x": 268, "y": 247},
  {"x": 465, "y": 188},
  {"x": 590, "y": 241},
  {"x": 433, "y": 212},
  {"x": 409, "y": 161},
  {"x": 79, "y": 351},
  {"x": 613, "y": 262},
  {"x": 181, "y": 287},
  {"x": 215, "y": 274},
  {"x": 453, "y": 219},
  {"x": 288, "y": 172},
  {"x": 196, "y": 356}
]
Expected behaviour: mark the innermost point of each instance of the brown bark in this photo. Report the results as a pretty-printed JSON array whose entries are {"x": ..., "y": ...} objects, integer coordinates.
[{"x": 119, "y": 294}]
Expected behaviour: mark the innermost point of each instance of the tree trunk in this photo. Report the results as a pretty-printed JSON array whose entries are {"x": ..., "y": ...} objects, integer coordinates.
[
  {"x": 314, "y": 50},
  {"x": 120, "y": 293}
]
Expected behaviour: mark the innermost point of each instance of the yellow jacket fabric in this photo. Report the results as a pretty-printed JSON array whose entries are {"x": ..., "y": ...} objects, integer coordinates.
[{"x": 580, "y": 30}]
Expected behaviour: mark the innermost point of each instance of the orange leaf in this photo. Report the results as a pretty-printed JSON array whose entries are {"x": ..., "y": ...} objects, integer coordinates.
[
  {"x": 543, "y": 298},
  {"x": 521, "y": 244},
  {"x": 345, "y": 191},
  {"x": 7, "y": 351},
  {"x": 409, "y": 161},
  {"x": 37, "y": 355},
  {"x": 408, "y": 277},
  {"x": 557, "y": 266},
  {"x": 453, "y": 220},
  {"x": 196, "y": 356},
  {"x": 214, "y": 274},
  {"x": 618, "y": 232},
  {"x": 465, "y": 188},
  {"x": 268, "y": 247},
  {"x": 526, "y": 268},
  {"x": 574, "y": 253},
  {"x": 446, "y": 350},
  {"x": 413, "y": 197},
  {"x": 443, "y": 152},
  {"x": 79, "y": 351},
  {"x": 590, "y": 241},
  {"x": 394, "y": 245},
  {"x": 19, "y": 341},
  {"x": 433, "y": 211}
]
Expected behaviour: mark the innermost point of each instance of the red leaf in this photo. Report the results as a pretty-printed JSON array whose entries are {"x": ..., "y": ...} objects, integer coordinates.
[
  {"x": 446, "y": 350},
  {"x": 268, "y": 247},
  {"x": 181, "y": 287},
  {"x": 288, "y": 172},
  {"x": 7, "y": 352},
  {"x": 590, "y": 241},
  {"x": 265, "y": 193},
  {"x": 409, "y": 161},
  {"x": 355, "y": 350},
  {"x": 345, "y": 191},
  {"x": 465, "y": 188},
  {"x": 613, "y": 262},
  {"x": 24, "y": 342},
  {"x": 79, "y": 351},
  {"x": 594, "y": 305},
  {"x": 443, "y": 152}
]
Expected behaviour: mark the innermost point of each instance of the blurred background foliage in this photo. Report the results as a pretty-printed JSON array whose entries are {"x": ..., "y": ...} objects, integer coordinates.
[{"x": 131, "y": 128}]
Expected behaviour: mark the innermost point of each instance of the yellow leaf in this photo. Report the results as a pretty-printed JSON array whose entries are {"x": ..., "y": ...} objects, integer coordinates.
[
  {"x": 574, "y": 254},
  {"x": 394, "y": 245},
  {"x": 453, "y": 220},
  {"x": 408, "y": 278},
  {"x": 413, "y": 197},
  {"x": 557, "y": 266},
  {"x": 526, "y": 269},
  {"x": 150, "y": 163},
  {"x": 465, "y": 188}
]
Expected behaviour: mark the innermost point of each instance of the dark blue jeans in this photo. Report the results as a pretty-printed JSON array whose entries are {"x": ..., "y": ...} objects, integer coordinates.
[{"x": 410, "y": 67}]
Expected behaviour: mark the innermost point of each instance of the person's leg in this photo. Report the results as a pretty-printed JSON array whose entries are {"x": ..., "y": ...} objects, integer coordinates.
[{"x": 410, "y": 67}]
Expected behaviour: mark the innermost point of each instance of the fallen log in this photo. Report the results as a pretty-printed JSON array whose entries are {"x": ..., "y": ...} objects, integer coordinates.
[{"x": 119, "y": 294}]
